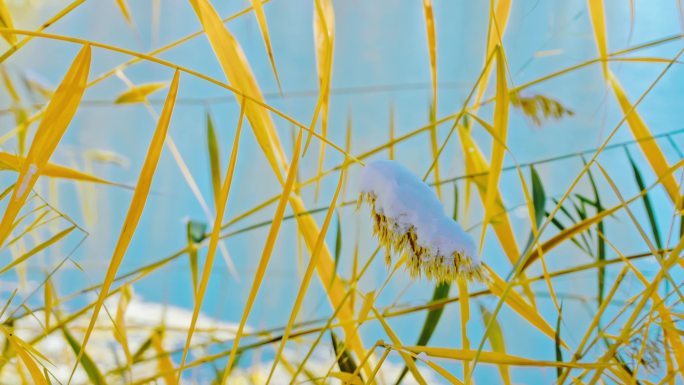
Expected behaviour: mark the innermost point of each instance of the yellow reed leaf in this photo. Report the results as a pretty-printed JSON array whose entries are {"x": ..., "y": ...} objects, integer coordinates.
[
  {"x": 519, "y": 305},
  {"x": 598, "y": 21},
  {"x": 56, "y": 119},
  {"x": 258, "y": 8},
  {"x": 498, "y": 146},
  {"x": 496, "y": 340},
  {"x": 14, "y": 162},
  {"x": 649, "y": 146},
  {"x": 48, "y": 300},
  {"x": 164, "y": 359},
  {"x": 495, "y": 358},
  {"x": 308, "y": 274},
  {"x": 26, "y": 358},
  {"x": 432, "y": 47},
  {"x": 498, "y": 21},
  {"x": 139, "y": 93},
  {"x": 40, "y": 247},
  {"x": 266, "y": 253},
  {"x": 215, "y": 235},
  {"x": 123, "y": 7},
  {"x": 475, "y": 163},
  {"x": 6, "y": 22},
  {"x": 137, "y": 205},
  {"x": 120, "y": 321},
  {"x": 347, "y": 378},
  {"x": 324, "y": 38},
  {"x": 408, "y": 360},
  {"x": 238, "y": 72}
]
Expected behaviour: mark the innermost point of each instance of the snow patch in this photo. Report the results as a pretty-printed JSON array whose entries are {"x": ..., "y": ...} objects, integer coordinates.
[{"x": 408, "y": 217}]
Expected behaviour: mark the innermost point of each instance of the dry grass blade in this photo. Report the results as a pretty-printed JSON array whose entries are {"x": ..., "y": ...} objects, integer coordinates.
[
  {"x": 49, "y": 297},
  {"x": 408, "y": 360},
  {"x": 14, "y": 162},
  {"x": 139, "y": 93},
  {"x": 476, "y": 164},
  {"x": 6, "y": 21},
  {"x": 40, "y": 247},
  {"x": 598, "y": 21},
  {"x": 123, "y": 7},
  {"x": 306, "y": 280},
  {"x": 258, "y": 8},
  {"x": 497, "y": 286},
  {"x": 324, "y": 37},
  {"x": 266, "y": 254},
  {"x": 498, "y": 146},
  {"x": 498, "y": 20},
  {"x": 432, "y": 49},
  {"x": 58, "y": 115},
  {"x": 495, "y": 358},
  {"x": 137, "y": 205},
  {"x": 434, "y": 148},
  {"x": 165, "y": 363},
  {"x": 120, "y": 329},
  {"x": 215, "y": 236},
  {"x": 238, "y": 72},
  {"x": 21, "y": 348},
  {"x": 496, "y": 340},
  {"x": 648, "y": 144}
]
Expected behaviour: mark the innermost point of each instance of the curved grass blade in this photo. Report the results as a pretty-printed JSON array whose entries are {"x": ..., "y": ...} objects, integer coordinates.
[
  {"x": 58, "y": 115},
  {"x": 598, "y": 21},
  {"x": 497, "y": 358},
  {"x": 498, "y": 20},
  {"x": 498, "y": 147},
  {"x": 258, "y": 8},
  {"x": 308, "y": 274},
  {"x": 238, "y": 72},
  {"x": 14, "y": 162},
  {"x": 324, "y": 35},
  {"x": 137, "y": 205},
  {"x": 646, "y": 142},
  {"x": 408, "y": 359},
  {"x": 516, "y": 302},
  {"x": 139, "y": 93},
  {"x": 215, "y": 237},
  {"x": 40, "y": 247},
  {"x": 21, "y": 348},
  {"x": 266, "y": 253}
]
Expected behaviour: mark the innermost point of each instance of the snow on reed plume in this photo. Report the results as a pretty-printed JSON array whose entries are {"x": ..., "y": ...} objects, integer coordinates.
[{"x": 408, "y": 218}]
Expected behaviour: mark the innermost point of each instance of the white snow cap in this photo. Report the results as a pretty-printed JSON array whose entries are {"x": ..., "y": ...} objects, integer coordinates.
[{"x": 409, "y": 218}]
